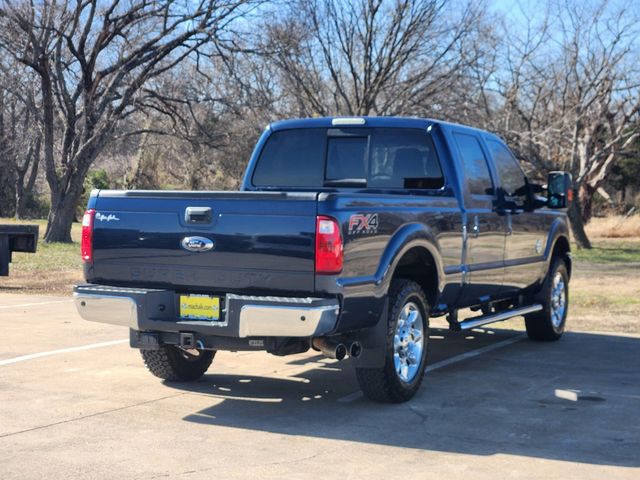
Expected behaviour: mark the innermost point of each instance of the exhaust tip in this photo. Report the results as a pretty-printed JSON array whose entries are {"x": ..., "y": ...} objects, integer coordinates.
[
  {"x": 355, "y": 350},
  {"x": 330, "y": 348}
]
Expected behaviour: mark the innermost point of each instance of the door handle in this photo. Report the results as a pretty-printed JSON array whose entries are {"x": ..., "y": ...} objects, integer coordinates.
[
  {"x": 200, "y": 215},
  {"x": 475, "y": 230}
]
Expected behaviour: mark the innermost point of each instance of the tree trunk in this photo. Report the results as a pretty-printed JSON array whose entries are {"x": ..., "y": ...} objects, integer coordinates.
[
  {"x": 22, "y": 196},
  {"x": 21, "y": 200},
  {"x": 23, "y": 191},
  {"x": 585, "y": 198},
  {"x": 63, "y": 210},
  {"x": 577, "y": 225},
  {"x": 60, "y": 219}
]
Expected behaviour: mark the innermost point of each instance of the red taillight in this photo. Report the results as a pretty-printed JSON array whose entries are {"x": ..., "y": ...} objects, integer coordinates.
[
  {"x": 329, "y": 255},
  {"x": 86, "y": 245}
]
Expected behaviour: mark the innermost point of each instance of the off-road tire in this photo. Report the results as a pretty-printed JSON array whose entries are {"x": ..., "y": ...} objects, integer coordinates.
[
  {"x": 384, "y": 384},
  {"x": 540, "y": 325},
  {"x": 170, "y": 363}
]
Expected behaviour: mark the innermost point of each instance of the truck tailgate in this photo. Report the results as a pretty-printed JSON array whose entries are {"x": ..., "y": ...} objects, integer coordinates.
[{"x": 261, "y": 241}]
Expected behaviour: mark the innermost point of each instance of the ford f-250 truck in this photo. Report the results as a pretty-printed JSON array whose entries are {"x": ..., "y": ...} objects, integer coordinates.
[{"x": 348, "y": 234}]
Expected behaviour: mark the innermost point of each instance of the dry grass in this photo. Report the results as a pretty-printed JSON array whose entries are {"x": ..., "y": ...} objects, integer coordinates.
[
  {"x": 52, "y": 270},
  {"x": 605, "y": 296},
  {"x": 616, "y": 226}
]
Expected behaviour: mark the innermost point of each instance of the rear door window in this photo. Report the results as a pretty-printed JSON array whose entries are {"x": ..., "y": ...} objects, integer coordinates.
[
  {"x": 475, "y": 164},
  {"x": 404, "y": 158}
]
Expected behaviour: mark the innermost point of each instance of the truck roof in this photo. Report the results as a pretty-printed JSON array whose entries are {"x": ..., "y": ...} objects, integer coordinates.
[{"x": 398, "y": 122}]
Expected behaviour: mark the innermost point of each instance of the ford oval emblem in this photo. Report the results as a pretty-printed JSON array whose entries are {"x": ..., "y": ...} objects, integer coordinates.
[{"x": 197, "y": 244}]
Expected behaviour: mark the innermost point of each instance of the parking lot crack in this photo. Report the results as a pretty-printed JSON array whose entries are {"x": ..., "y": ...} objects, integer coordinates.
[
  {"x": 292, "y": 461},
  {"x": 91, "y": 415}
]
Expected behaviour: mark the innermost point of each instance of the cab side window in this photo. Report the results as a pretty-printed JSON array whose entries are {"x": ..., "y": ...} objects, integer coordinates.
[
  {"x": 403, "y": 158},
  {"x": 512, "y": 178},
  {"x": 280, "y": 160},
  {"x": 475, "y": 164}
]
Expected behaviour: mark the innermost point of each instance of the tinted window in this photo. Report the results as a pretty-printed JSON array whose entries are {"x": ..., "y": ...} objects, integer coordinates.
[
  {"x": 386, "y": 157},
  {"x": 346, "y": 157},
  {"x": 292, "y": 158},
  {"x": 511, "y": 175},
  {"x": 403, "y": 159},
  {"x": 475, "y": 164}
]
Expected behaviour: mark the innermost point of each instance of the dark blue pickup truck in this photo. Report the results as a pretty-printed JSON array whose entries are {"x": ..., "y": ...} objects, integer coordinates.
[{"x": 348, "y": 234}]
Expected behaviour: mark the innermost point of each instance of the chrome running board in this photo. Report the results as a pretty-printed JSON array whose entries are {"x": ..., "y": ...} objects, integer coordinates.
[{"x": 497, "y": 317}]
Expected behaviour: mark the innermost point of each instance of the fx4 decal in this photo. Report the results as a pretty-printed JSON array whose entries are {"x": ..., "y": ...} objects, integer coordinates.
[{"x": 359, "y": 224}]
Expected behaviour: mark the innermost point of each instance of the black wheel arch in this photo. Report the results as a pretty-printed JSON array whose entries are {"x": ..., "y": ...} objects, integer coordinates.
[
  {"x": 413, "y": 253},
  {"x": 558, "y": 243},
  {"x": 418, "y": 264},
  {"x": 562, "y": 249}
]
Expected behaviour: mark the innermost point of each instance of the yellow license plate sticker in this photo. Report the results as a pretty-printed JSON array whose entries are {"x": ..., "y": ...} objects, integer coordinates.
[{"x": 199, "y": 307}]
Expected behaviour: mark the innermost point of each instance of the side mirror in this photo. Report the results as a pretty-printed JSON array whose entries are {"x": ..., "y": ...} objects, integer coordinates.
[{"x": 559, "y": 189}]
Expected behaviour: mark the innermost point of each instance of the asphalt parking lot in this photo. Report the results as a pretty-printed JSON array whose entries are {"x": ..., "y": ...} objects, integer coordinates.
[{"x": 76, "y": 402}]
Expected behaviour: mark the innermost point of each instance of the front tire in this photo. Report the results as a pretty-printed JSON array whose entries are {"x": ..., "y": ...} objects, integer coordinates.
[
  {"x": 176, "y": 364},
  {"x": 406, "y": 347},
  {"x": 548, "y": 324}
]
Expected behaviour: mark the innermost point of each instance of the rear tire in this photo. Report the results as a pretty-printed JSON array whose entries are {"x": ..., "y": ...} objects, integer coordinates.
[
  {"x": 175, "y": 364},
  {"x": 406, "y": 347},
  {"x": 548, "y": 324}
]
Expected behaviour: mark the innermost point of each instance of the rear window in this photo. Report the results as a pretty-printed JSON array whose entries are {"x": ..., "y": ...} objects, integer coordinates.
[
  {"x": 346, "y": 158},
  {"x": 383, "y": 157}
]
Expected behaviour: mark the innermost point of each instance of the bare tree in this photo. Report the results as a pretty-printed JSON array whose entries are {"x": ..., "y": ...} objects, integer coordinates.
[
  {"x": 20, "y": 131},
  {"x": 371, "y": 56},
  {"x": 570, "y": 95},
  {"x": 201, "y": 123},
  {"x": 93, "y": 58}
]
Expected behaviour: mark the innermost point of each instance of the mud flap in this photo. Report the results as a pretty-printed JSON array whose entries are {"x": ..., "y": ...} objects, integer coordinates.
[{"x": 374, "y": 342}]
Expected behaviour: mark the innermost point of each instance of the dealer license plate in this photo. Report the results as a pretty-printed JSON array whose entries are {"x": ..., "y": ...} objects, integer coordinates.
[{"x": 200, "y": 307}]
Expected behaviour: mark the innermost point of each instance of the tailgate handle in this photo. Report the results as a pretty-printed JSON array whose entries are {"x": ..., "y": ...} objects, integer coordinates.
[{"x": 197, "y": 215}]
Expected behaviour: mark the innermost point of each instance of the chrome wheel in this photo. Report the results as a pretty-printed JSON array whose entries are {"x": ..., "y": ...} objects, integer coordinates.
[
  {"x": 408, "y": 342},
  {"x": 558, "y": 300}
]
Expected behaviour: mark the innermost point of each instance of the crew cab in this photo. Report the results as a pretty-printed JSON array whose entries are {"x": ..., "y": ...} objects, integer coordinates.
[{"x": 346, "y": 236}]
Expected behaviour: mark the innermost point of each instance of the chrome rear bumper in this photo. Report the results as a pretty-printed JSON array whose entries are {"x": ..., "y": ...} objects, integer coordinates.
[
  {"x": 244, "y": 316},
  {"x": 276, "y": 317},
  {"x": 121, "y": 311}
]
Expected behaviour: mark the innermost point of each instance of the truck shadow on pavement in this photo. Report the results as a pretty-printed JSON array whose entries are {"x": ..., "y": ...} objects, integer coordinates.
[{"x": 575, "y": 400}]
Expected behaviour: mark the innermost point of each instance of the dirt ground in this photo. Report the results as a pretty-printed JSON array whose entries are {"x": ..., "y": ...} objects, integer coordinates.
[{"x": 41, "y": 283}]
